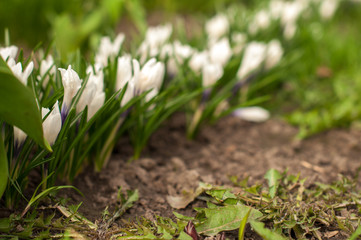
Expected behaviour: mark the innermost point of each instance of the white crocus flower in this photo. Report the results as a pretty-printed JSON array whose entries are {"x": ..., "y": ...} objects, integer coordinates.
[
  {"x": 17, "y": 70},
  {"x": 46, "y": 66},
  {"x": 253, "y": 57},
  {"x": 291, "y": 12},
  {"x": 155, "y": 38},
  {"x": 109, "y": 49},
  {"x": 177, "y": 53},
  {"x": 261, "y": 21},
  {"x": 274, "y": 54},
  {"x": 328, "y": 8},
  {"x": 220, "y": 52},
  {"x": 93, "y": 95},
  {"x": 129, "y": 93},
  {"x": 276, "y": 8},
  {"x": 216, "y": 27},
  {"x": 211, "y": 73},
  {"x": 239, "y": 40},
  {"x": 72, "y": 84},
  {"x": 252, "y": 114},
  {"x": 8, "y": 52},
  {"x": 19, "y": 136},
  {"x": 86, "y": 96},
  {"x": 198, "y": 60},
  {"x": 151, "y": 76},
  {"x": 52, "y": 123},
  {"x": 96, "y": 103},
  {"x": 289, "y": 30},
  {"x": 124, "y": 71}
]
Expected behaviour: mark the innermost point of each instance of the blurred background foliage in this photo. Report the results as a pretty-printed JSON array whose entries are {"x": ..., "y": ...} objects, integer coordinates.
[{"x": 79, "y": 23}]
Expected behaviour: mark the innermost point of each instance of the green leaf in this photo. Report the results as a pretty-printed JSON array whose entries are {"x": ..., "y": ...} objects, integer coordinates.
[
  {"x": 242, "y": 227},
  {"x": 5, "y": 225},
  {"x": 18, "y": 106},
  {"x": 225, "y": 219},
  {"x": 273, "y": 176},
  {"x": 265, "y": 233},
  {"x": 3, "y": 167},
  {"x": 356, "y": 234},
  {"x": 44, "y": 193}
]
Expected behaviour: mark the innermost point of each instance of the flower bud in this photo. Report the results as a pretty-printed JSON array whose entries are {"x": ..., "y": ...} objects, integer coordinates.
[
  {"x": 211, "y": 73},
  {"x": 93, "y": 95},
  {"x": 220, "y": 52},
  {"x": 124, "y": 71},
  {"x": 52, "y": 123},
  {"x": 261, "y": 21},
  {"x": 72, "y": 84},
  {"x": 217, "y": 27},
  {"x": 198, "y": 60},
  {"x": 253, "y": 57},
  {"x": 109, "y": 49},
  {"x": 151, "y": 76},
  {"x": 8, "y": 52},
  {"x": 328, "y": 8},
  {"x": 17, "y": 70},
  {"x": 274, "y": 54},
  {"x": 46, "y": 67},
  {"x": 252, "y": 114}
]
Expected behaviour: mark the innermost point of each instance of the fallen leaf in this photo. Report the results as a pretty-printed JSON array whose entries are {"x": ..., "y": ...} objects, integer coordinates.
[
  {"x": 331, "y": 234},
  {"x": 179, "y": 202}
]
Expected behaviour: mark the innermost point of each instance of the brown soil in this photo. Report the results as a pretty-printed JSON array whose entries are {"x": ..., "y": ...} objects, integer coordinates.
[{"x": 232, "y": 147}]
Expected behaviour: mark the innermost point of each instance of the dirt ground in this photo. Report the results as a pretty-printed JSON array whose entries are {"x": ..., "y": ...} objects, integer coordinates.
[{"x": 172, "y": 163}]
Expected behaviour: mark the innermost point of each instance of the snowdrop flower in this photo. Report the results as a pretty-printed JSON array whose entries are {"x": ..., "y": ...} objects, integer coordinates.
[
  {"x": 239, "y": 40},
  {"x": 52, "y": 123},
  {"x": 328, "y": 8},
  {"x": 72, "y": 84},
  {"x": 253, "y": 57},
  {"x": 252, "y": 114},
  {"x": 216, "y": 27},
  {"x": 8, "y": 52},
  {"x": 46, "y": 66},
  {"x": 274, "y": 54},
  {"x": 220, "y": 52},
  {"x": 17, "y": 70},
  {"x": 107, "y": 49},
  {"x": 211, "y": 74},
  {"x": 261, "y": 21},
  {"x": 124, "y": 71},
  {"x": 198, "y": 60}
]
